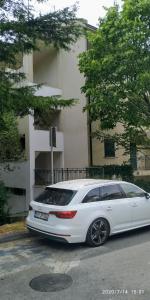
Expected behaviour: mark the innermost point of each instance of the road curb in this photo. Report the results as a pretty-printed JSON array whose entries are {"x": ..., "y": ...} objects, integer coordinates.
[{"x": 11, "y": 236}]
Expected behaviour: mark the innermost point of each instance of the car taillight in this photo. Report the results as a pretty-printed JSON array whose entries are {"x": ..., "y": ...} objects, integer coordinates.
[
  {"x": 64, "y": 214},
  {"x": 30, "y": 207}
]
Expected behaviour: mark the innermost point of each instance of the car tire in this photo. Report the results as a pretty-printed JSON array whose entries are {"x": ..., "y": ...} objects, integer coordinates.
[{"x": 98, "y": 232}]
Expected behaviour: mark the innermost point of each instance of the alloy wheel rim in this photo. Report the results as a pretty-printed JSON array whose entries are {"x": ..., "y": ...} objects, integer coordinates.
[{"x": 98, "y": 232}]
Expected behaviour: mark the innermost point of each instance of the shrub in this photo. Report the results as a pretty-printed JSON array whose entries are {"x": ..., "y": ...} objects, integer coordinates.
[
  {"x": 4, "y": 212},
  {"x": 108, "y": 171},
  {"x": 143, "y": 184}
]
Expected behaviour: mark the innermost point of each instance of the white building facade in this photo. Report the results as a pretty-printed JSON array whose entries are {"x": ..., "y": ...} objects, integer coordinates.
[{"x": 58, "y": 72}]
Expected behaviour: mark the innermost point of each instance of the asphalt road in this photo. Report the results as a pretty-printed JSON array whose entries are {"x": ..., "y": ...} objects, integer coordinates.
[{"x": 118, "y": 270}]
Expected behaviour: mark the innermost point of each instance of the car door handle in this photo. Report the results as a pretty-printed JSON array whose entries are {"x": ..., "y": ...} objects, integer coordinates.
[{"x": 109, "y": 208}]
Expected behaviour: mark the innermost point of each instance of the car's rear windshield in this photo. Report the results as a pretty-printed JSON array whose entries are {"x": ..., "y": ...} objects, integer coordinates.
[{"x": 56, "y": 196}]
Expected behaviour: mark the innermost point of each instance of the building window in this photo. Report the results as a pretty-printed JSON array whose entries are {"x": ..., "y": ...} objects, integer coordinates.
[
  {"x": 109, "y": 148},
  {"x": 22, "y": 142},
  {"x": 17, "y": 191}
]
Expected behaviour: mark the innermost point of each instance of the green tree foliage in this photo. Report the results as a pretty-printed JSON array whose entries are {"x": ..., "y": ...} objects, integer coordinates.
[
  {"x": 20, "y": 33},
  {"x": 117, "y": 71},
  {"x": 9, "y": 137}
]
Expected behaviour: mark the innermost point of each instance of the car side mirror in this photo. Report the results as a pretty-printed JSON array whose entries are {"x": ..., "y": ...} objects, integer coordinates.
[{"x": 147, "y": 195}]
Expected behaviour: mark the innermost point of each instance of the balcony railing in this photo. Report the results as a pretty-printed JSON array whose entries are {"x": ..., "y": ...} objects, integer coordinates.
[{"x": 44, "y": 177}]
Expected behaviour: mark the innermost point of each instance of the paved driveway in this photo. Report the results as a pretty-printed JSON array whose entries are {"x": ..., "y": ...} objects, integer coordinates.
[{"x": 118, "y": 270}]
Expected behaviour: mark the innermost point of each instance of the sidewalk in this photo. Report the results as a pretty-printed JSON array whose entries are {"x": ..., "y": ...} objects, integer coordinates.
[
  {"x": 14, "y": 231},
  {"x": 11, "y": 236}
]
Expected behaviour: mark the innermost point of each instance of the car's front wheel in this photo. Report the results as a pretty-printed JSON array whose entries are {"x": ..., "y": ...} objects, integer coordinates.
[{"x": 98, "y": 232}]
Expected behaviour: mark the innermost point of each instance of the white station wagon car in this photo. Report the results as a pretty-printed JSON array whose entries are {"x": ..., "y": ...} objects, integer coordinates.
[{"x": 88, "y": 210}]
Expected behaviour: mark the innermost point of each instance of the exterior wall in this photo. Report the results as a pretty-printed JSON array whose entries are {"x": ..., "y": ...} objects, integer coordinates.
[
  {"x": 98, "y": 154},
  {"x": 17, "y": 204},
  {"x": 46, "y": 67},
  {"x": 73, "y": 120},
  {"x": 100, "y": 159},
  {"x": 41, "y": 141},
  {"x": 60, "y": 69},
  {"x": 28, "y": 66},
  {"x": 16, "y": 175},
  {"x": 143, "y": 156}
]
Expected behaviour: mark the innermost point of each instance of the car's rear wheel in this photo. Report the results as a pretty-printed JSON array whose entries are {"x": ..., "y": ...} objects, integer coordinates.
[{"x": 98, "y": 232}]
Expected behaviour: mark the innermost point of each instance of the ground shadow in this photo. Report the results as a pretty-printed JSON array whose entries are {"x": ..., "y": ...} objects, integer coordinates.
[{"x": 83, "y": 251}]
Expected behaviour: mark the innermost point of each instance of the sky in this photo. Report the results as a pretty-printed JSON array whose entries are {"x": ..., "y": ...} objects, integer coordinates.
[{"x": 90, "y": 10}]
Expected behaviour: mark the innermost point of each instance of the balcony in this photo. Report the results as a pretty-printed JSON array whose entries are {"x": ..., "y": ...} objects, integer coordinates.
[{"x": 41, "y": 141}]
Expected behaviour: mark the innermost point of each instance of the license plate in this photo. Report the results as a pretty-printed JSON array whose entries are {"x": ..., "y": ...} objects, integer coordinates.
[{"x": 41, "y": 215}]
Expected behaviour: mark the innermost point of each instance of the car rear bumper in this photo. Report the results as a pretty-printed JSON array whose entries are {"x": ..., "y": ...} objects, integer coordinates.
[
  {"x": 59, "y": 234},
  {"x": 47, "y": 234}
]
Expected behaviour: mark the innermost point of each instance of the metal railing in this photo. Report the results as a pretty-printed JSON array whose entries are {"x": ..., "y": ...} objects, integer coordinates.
[{"x": 44, "y": 177}]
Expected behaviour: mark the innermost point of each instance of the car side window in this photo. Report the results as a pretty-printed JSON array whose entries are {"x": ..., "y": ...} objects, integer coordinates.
[
  {"x": 132, "y": 190},
  {"x": 111, "y": 192},
  {"x": 92, "y": 196}
]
